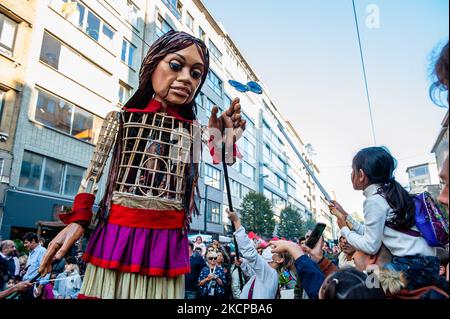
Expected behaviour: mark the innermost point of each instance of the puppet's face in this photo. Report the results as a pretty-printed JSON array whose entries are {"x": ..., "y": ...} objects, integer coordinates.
[{"x": 178, "y": 76}]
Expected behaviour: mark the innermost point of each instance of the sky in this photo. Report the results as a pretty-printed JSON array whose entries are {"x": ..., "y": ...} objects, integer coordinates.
[{"x": 307, "y": 55}]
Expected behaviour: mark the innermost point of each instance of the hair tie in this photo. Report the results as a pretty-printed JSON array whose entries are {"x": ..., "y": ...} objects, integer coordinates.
[{"x": 335, "y": 280}]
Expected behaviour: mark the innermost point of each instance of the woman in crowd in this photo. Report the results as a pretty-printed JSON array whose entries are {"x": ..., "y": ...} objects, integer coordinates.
[{"x": 212, "y": 279}]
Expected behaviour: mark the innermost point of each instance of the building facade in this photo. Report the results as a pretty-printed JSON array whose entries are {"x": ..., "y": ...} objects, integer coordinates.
[
  {"x": 16, "y": 26},
  {"x": 84, "y": 62},
  {"x": 440, "y": 147},
  {"x": 423, "y": 178}
]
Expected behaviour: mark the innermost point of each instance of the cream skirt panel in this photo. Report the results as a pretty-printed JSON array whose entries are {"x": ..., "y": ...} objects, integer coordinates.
[{"x": 112, "y": 284}]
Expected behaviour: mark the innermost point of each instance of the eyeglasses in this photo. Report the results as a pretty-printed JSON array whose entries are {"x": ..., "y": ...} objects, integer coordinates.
[
  {"x": 212, "y": 258},
  {"x": 250, "y": 86}
]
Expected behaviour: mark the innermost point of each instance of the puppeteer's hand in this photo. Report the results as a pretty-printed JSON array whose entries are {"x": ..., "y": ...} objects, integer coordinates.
[
  {"x": 234, "y": 218},
  {"x": 60, "y": 246}
]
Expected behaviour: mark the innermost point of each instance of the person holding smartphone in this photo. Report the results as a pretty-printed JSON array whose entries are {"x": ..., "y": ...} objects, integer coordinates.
[
  {"x": 265, "y": 267},
  {"x": 212, "y": 279}
]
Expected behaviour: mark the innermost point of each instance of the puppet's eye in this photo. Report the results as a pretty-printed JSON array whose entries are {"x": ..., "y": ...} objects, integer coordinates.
[
  {"x": 175, "y": 66},
  {"x": 196, "y": 74}
]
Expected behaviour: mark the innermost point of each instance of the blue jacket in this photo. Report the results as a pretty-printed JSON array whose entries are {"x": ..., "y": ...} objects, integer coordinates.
[{"x": 310, "y": 276}]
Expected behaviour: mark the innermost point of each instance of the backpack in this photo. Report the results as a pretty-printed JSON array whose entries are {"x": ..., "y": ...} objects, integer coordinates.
[{"x": 429, "y": 220}]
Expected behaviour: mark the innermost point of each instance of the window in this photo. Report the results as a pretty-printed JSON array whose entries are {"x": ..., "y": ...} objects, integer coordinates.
[
  {"x": 419, "y": 171},
  {"x": 248, "y": 147},
  {"x": 291, "y": 190},
  {"x": 93, "y": 26},
  {"x": 209, "y": 105},
  {"x": 83, "y": 18},
  {"x": 248, "y": 170},
  {"x": 74, "y": 175},
  {"x": 214, "y": 82},
  {"x": 175, "y": 7},
  {"x": 54, "y": 112},
  {"x": 235, "y": 188},
  {"x": 245, "y": 190},
  {"x": 8, "y": 30},
  {"x": 190, "y": 21},
  {"x": 199, "y": 100},
  {"x": 30, "y": 173},
  {"x": 133, "y": 14},
  {"x": 128, "y": 50},
  {"x": 215, "y": 53},
  {"x": 50, "y": 50},
  {"x": 212, "y": 176},
  {"x": 52, "y": 176},
  {"x": 267, "y": 152},
  {"x": 107, "y": 35},
  {"x": 201, "y": 34},
  {"x": 124, "y": 93},
  {"x": 162, "y": 27},
  {"x": 213, "y": 212},
  {"x": 250, "y": 126},
  {"x": 48, "y": 175},
  {"x": 66, "y": 117}
]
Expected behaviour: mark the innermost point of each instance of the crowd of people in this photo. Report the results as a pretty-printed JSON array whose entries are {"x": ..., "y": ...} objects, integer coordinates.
[
  {"x": 19, "y": 273},
  {"x": 383, "y": 257}
]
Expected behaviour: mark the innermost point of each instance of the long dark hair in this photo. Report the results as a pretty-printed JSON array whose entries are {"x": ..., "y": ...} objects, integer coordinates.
[
  {"x": 171, "y": 42},
  {"x": 379, "y": 165}
]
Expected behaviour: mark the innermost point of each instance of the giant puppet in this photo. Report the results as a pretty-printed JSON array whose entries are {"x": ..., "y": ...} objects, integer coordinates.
[{"x": 139, "y": 248}]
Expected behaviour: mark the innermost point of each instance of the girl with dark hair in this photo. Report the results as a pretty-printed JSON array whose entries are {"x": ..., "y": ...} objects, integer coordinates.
[
  {"x": 139, "y": 248},
  {"x": 388, "y": 219},
  {"x": 346, "y": 283}
]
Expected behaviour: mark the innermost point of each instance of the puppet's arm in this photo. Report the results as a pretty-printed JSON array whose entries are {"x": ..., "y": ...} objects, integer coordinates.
[{"x": 84, "y": 200}]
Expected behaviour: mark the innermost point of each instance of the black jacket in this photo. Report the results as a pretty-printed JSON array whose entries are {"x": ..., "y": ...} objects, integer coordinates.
[{"x": 197, "y": 263}]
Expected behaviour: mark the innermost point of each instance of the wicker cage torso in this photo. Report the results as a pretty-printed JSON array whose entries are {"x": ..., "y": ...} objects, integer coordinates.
[{"x": 156, "y": 150}]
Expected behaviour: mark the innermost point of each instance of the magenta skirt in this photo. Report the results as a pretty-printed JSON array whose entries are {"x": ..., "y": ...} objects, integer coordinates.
[{"x": 151, "y": 252}]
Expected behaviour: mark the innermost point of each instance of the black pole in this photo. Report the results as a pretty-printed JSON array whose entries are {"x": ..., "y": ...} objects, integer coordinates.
[
  {"x": 230, "y": 205},
  {"x": 206, "y": 206}
]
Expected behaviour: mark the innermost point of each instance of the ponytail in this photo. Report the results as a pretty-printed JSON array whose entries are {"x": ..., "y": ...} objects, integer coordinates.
[
  {"x": 379, "y": 165},
  {"x": 402, "y": 204}
]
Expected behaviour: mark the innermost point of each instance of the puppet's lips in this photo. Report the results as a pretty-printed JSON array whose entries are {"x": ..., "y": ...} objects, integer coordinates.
[{"x": 181, "y": 90}]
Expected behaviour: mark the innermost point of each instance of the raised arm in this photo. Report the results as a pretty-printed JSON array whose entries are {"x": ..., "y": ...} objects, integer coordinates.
[{"x": 79, "y": 218}]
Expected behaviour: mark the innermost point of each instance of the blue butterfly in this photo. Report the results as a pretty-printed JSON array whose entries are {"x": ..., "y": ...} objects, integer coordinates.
[{"x": 250, "y": 86}]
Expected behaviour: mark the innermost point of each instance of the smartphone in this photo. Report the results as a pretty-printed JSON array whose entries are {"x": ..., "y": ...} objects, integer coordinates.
[{"x": 315, "y": 235}]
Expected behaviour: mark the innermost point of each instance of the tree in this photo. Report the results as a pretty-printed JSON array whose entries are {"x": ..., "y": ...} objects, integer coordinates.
[
  {"x": 257, "y": 214},
  {"x": 290, "y": 226}
]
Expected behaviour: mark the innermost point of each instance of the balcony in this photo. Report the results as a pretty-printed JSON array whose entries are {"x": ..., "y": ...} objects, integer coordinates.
[{"x": 174, "y": 9}]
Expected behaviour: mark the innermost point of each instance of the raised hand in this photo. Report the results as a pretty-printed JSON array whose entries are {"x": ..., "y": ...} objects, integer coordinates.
[
  {"x": 60, "y": 246},
  {"x": 281, "y": 246},
  {"x": 230, "y": 119},
  {"x": 316, "y": 253}
]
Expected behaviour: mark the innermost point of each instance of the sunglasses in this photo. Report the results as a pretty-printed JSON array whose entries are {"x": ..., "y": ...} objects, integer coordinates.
[
  {"x": 212, "y": 258},
  {"x": 250, "y": 86}
]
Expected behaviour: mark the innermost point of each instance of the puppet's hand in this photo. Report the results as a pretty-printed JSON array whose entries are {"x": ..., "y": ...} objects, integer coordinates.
[
  {"x": 230, "y": 122},
  {"x": 60, "y": 246}
]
